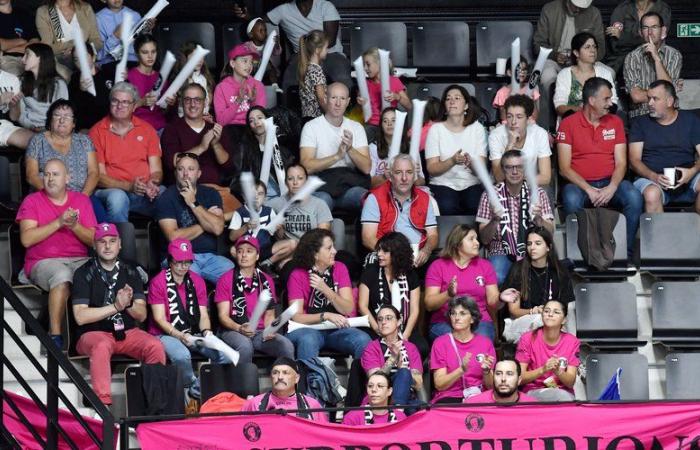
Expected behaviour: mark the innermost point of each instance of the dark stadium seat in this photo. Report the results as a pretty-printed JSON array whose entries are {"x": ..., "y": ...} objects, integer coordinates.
[
  {"x": 421, "y": 91},
  {"x": 242, "y": 380},
  {"x": 670, "y": 244},
  {"x": 634, "y": 380},
  {"x": 606, "y": 315},
  {"x": 619, "y": 268},
  {"x": 127, "y": 234},
  {"x": 446, "y": 223},
  {"x": 232, "y": 34},
  {"x": 8, "y": 208},
  {"x": 675, "y": 313},
  {"x": 136, "y": 402},
  {"x": 452, "y": 39},
  {"x": 494, "y": 38},
  {"x": 387, "y": 35},
  {"x": 485, "y": 92},
  {"x": 682, "y": 382},
  {"x": 171, "y": 36}
]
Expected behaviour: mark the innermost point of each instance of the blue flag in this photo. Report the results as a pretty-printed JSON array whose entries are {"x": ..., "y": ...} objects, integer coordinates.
[{"x": 612, "y": 390}]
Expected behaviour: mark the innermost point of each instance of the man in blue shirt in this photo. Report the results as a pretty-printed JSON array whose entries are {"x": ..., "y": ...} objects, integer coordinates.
[
  {"x": 663, "y": 151},
  {"x": 194, "y": 212}
]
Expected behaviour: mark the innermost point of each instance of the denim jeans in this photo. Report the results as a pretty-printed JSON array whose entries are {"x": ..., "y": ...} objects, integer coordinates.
[
  {"x": 181, "y": 355},
  {"x": 245, "y": 346},
  {"x": 501, "y": 264},
  {"x": 486, "y": 329},
  {"x": 210, "y": 266},
  {"x": 350, "y": 200},
  {"x": 401, "y": 382},
  {"x": 454, "y": 203},
  {"x": 626, "y": 197},
  {"x": 118, "y": 203},
  {"x": 309, "y": 342}
]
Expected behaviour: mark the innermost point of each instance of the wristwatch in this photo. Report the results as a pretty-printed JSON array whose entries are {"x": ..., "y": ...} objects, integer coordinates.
[{"x": 195, "y": 204}]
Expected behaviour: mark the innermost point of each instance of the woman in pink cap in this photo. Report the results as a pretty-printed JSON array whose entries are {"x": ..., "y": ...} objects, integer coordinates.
[
  {"x": 238, "y": 91},
  {"x": 178, "y": 300}
]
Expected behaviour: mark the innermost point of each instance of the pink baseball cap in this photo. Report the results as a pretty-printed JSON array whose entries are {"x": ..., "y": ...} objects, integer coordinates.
[
  {"x": 105, "y": 229},
  {"x": 180, "y": 249},
  {"x": 248, "y": 239},
  {"x": 242, "y": 50}
]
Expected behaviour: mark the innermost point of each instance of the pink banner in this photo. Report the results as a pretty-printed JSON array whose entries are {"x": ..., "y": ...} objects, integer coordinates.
[
  {"x": 71, "y": 426},
  {"x": 652, "y": 426}
]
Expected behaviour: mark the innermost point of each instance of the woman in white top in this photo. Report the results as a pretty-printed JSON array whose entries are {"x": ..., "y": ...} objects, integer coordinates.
[
  {"x": 450, "y": 148},
  {"x": 568, "y": 92}
]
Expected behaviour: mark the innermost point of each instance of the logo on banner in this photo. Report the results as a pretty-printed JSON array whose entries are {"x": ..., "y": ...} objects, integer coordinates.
[
  {"x": 474, "y": 423},
  {"x": 252, "y": 431}
]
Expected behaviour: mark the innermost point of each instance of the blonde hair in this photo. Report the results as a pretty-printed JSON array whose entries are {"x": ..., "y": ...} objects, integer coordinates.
[
  {"x": 374, "y": 53},
  {"x": 308, "y": 45}
]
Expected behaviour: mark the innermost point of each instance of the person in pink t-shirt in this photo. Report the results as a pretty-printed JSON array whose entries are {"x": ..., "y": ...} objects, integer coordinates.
[
  {"x": 322, "y": 289},
  {"x": 522, "y": 75},
  {"x": 147, "y": 81},
  {"x": 461, "y": 360},
  {"x": 461, "y": 271},
  {"x": 237, "y": 295},
  {"x": 506, "y": 379},
  {"x": 56, "y": 226},
  {"x": 284, "y": 394},
  {"x": 549, "y": 357},
  {"x": 238, "y": 91},
  {"x": 378, "y": 392},
  {"x": 178, "y": 300}
]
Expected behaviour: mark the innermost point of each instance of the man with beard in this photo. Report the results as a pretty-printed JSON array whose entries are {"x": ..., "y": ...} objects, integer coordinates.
[
  {"x": 108, "y": 301},
  {"x": 506, "y": 379},
  {"x": 190, "y": 211},
  {"x": 592, "y": 152},
  {"x": 284, "y": 395}
]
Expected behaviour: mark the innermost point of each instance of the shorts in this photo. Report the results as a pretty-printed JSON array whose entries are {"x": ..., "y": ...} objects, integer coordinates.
[
  {"x": 50, "y": 272},
  {"x": 685, "y": 194},
  {"x": 6, "y": 130}
]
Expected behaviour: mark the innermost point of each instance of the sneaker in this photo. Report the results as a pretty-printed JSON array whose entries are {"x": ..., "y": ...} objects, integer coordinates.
[
  {"x": 195, "y": 390},
  {"x": 57, "y": 340}
]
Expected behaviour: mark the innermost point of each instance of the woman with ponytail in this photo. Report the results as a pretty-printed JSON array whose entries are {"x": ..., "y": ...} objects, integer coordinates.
[{"x": 313, "y": 48}]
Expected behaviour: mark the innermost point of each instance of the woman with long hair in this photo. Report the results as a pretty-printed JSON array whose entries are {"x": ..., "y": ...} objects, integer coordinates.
[
  {"x": 537, "y": 278},
  {"x": 461, "y": 271},
  {"x": 379, "y": 393},
  {"x": 549, "y": 357},
  {"x": 313, "y": 48},
  {"x": 41, "y": 86},
  {"x": 461, "y": 360},
  {"x": 321, "y": 287},
  {"x": 450, "y": 148}
]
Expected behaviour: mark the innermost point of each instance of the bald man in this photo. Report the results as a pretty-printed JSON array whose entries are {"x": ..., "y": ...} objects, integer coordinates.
[{"x": 335, "y": 148}]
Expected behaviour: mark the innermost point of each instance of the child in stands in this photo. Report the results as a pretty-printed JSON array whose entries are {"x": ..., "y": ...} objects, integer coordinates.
[
  {"x": 523, "y": 76},
  {"x": 313, "y": 48}
]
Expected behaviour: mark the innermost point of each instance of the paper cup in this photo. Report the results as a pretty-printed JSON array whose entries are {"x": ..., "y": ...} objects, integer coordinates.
[
  {"x": 501, "y": 66},
  {"x": 670, "y": 173}
]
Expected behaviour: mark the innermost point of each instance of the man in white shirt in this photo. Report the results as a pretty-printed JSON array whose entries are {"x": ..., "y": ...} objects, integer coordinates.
[{"x": 332, "y": 142}]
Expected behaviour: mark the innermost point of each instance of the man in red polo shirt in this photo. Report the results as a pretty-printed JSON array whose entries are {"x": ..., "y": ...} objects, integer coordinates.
[
  {"x": 592, "y": 152},
  {"x": 128, "y": 157}
]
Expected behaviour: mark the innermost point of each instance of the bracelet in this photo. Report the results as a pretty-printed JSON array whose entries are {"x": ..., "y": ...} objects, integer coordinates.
[{"x": 115, "y": 307}]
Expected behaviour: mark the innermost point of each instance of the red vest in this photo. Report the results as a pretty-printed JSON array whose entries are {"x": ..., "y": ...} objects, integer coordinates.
[{"x": 389, "y": 211}]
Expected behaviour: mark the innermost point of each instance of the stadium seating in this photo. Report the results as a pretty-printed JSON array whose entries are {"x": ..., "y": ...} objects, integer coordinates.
[
  {"x": 387, "y": 35},
  {"x": 232, "y": 34},
  {"x": 675, "y": 313},
  {"x": 634, "y": 380},
  {"x": 440, "y": 45},
  {"x": 494, "y": 38},
  {"x": 172, "y": 35},
  {"x": 682, "y": 382},
  {"x": 421, "y": 91},
  {"x": 241, "y": 379},
  {"x": 447, "y": 223},
  {"x": 670, "y": 244}
]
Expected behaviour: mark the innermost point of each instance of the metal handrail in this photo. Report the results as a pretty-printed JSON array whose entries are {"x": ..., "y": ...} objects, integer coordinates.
[{"x": 55, "y": 360}]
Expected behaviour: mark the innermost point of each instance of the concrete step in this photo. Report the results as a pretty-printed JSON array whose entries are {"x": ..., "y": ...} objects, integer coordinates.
[
  {"x": 39, "y": 388},
  {"x": 13, "y": 351},
  {"x": 15, "y": 322}
]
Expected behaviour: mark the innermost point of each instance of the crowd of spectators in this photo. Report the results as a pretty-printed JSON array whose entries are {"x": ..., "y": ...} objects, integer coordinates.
[{"x": 93, "y": 162}]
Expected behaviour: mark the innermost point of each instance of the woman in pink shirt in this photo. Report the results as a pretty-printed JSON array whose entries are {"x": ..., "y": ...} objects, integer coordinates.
[
  {"x": 378, "y": 392},
  {"x": 461, "y": 271},
  {"x": 238, "y": 91},
  {"x": 549, "y": 357},
  {"x": 461, "y": 360}
]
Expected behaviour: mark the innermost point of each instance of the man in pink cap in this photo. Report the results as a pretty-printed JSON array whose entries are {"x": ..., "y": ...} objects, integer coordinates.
[
  {"x": 108, "y": 302},
  {"x": 237, "y": 294},
  {"x": 238, "y": 91},
  {"x": 178, "y": 300}
]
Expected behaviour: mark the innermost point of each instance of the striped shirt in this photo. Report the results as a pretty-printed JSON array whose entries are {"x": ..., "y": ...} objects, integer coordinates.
[{"x": 640, "y": 72}]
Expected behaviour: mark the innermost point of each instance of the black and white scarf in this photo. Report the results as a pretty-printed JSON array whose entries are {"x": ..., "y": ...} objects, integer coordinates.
[
  {"x": 514, "y": 245},
  {"x": 369, "y": 416},
  {"x": 405, "y": 308},
  {"x": 278, "y": 164},
  {"x": 387, "y": 353},
  {"x": 185, "y": 319},
  {"x": 318, "y": 302},
  {"x": 110, "y": 295},
  {"x": 56, "y": 23},
  {"x": 240, "y": 289}
]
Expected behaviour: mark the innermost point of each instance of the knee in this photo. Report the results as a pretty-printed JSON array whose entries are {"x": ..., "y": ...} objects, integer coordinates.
[
  {"x": 60, "y": 291},
  {"x": 652, "y": 195},
  {"x": 102, "y": 349},
  {"x": 154, "y": 352}
]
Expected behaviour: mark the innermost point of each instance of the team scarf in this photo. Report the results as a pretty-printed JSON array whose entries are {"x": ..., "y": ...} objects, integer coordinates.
[
  {"x": 110, "y": 295},
  {"x": 369, "y": 416},
  {"x": 387, "y": 353},
  {"x": 185, "y": 319},
  {"x": 405, "y": 308},
  {"x": 278, "y": 165},
  {"x": 318, "y": 302},
  {"x": 514, "y": 245},
  {"x": 240, "y": 289},
  {"x": 56, "y": 23}
]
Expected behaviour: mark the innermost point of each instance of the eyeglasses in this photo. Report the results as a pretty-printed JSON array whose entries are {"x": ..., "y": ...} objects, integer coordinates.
[
  {"x": 191, "y": 155},
  {"x": 650, "y": 28},
  {"x": 59, "y": 117},
  {"x": 382, "y": 319},
  {"x": 117, "y": 102},
  {"x": 517, "y": 168},
  {"x": 193, "y": 100}
]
